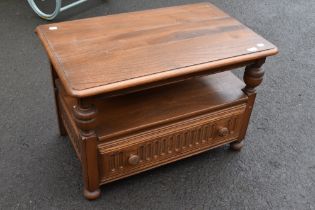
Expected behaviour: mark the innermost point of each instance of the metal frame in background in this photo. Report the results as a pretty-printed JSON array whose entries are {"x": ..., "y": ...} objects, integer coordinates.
[{"x": 57, "y": 10}]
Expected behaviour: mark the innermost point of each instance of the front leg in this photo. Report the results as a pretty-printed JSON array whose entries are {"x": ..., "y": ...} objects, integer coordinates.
[
  {"x": 253, "y": 76},
  {"x": 85, "y": 118}
]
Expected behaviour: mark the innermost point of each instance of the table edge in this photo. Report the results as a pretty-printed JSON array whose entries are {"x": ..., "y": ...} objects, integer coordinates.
[
  {"x": 147, "y": 79},
  {"x": 167, "y": 75}
]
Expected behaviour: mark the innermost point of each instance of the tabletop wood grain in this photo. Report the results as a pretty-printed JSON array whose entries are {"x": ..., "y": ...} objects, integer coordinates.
[{"x": 104, "y": 54}]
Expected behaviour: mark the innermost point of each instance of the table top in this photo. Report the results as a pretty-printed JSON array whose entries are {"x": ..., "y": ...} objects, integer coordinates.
[{"x": 105, "y": 54}]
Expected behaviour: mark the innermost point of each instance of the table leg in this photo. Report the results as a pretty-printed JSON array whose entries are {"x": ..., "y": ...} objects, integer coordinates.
[
  {"x": 253, "y": 76},
  {"x": 85, "y": 118}
]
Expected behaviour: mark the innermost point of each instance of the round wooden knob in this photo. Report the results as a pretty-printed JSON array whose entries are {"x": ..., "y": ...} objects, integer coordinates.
[
  {"x": 223, "y": 131},
  {"x": 133, "y": 159}
]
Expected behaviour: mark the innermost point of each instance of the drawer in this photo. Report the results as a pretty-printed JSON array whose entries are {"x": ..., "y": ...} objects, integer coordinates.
[{"x": 133, "y": 154}]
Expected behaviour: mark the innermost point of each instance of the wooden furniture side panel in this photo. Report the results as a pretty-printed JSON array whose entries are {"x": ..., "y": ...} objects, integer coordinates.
[
  {"x": 70, "y": 126},
  {"x": 135, "y": 154}
]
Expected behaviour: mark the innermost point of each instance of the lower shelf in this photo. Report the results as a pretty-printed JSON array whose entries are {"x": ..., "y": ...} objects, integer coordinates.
[{"x": 136, "y": 112}]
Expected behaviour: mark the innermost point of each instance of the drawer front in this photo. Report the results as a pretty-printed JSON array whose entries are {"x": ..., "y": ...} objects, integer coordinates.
[{"x": 150, "y": 149}]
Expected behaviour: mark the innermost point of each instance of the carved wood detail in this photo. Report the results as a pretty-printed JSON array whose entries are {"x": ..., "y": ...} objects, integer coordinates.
[
  {"x": 253, "y": 76},
  {"x": 85, "y": 117},
  {"x": 167, "y": 144}
]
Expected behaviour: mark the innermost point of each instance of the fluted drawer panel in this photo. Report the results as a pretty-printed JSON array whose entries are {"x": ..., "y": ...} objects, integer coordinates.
[{"x": 137, "y": 153}]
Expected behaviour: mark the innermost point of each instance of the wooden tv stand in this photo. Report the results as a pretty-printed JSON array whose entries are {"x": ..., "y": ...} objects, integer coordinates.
[{"x": 138, "y": 90}]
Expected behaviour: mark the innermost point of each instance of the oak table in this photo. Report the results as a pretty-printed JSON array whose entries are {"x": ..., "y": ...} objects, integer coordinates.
[{"x": 139, "y": 90}]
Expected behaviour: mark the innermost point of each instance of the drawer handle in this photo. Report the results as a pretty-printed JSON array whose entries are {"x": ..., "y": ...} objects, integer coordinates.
[
  {"x": 223, "y": 131},
  {"x": 133, "y": 160}
]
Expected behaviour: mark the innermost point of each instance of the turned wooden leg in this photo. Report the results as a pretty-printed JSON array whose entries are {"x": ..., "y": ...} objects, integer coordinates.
[
  {"x": 91, "y": 195},
  {"x": 62, "y": 129},
  {"x": 85, "y": 118},
  {"x": 253, "y": 76},
  {"x": 237, "y": 145}
]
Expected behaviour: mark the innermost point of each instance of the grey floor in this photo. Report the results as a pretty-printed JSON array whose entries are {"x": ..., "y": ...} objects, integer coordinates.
[{"x": 276, "y": 169}]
